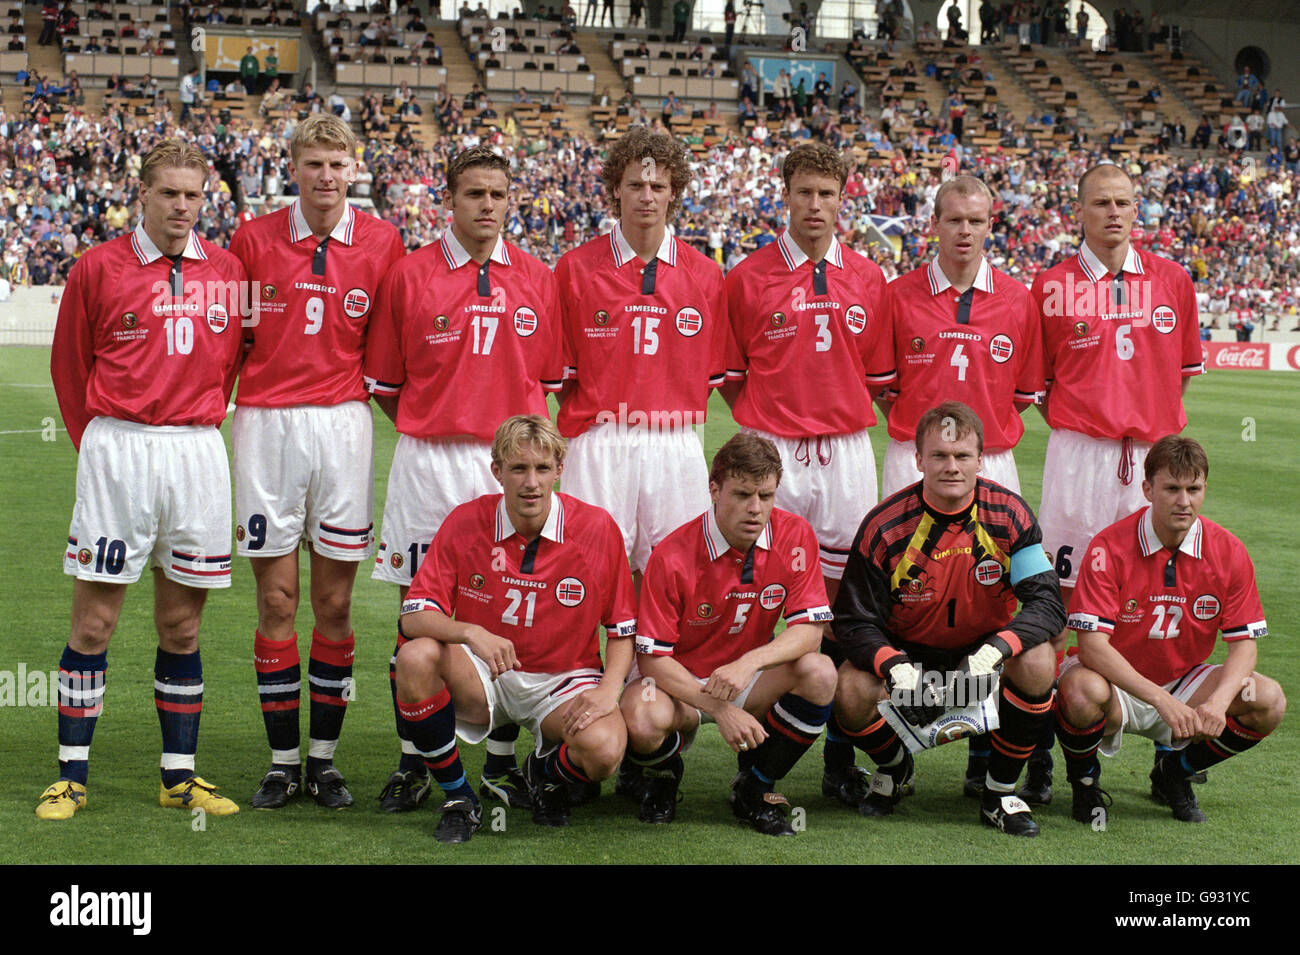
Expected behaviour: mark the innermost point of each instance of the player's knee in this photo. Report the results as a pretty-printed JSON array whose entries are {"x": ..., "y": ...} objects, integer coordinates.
[
  {"x": 1034, "y": 671},
  {"x": 278, "y": 605},
  {"x": 646, "y": 726},
  {"x": 333, "y": 610},
  {"x": 601, "y": 748},
  {"x": 417, "y": 669},
  {"x": 1268, "y": 703},
  {"x": 1080, "y": 693},
  {"x": 815, "y": 678},
  {"x": 856, "y": 695},
  {"x": 178, "y": 634}
]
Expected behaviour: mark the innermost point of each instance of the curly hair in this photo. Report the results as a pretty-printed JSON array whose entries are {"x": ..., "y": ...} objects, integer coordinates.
[{"x": 663, "y": 151}]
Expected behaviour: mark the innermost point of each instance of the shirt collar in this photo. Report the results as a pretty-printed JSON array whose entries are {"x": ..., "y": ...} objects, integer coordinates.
[
  {"x": 795, "y": 257},
  {"x": 1150, "y": 543},
  {"x": 457, "y": 256},
  {"x": 299, "y": 229},
  {"x": 624, "y": 253},
  {"x": 1093, "y": 268},
  {"x": 552, "y": 530},
  {"x": 147, "y": 252},
  {"x": 940, "y": 283},
  {"x": 716, "y": 545}
]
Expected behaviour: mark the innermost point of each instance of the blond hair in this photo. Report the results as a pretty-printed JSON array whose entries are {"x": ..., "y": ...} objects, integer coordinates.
[
  {"x": 325, "y": 130},
  {"x": 532, "y": 430},
  {"x": 173, "y": 153}
]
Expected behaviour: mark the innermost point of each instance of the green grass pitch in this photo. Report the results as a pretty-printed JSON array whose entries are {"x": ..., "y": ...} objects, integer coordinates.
[{"x": 1247, "y": 420}]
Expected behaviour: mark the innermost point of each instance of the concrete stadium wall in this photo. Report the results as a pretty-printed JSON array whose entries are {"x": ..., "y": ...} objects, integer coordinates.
[{"x": 28, "y": 317}]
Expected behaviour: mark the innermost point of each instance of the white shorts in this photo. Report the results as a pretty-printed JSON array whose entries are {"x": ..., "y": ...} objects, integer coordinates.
[
  {"x": 304, "y": 472},
  {"x": 829, "y": 481},
  {"x": 1141, "y": 718},
  {"x": 901, "y": 472},
  {"x": 688, "y": 735},
  {"x": 428, "y": 480},
  {"x": 1083, "y": 494},
  {"x": 151, "y": 491},
  {"x": 651, "y": 482},
  {"x": 523, "y": 698}
]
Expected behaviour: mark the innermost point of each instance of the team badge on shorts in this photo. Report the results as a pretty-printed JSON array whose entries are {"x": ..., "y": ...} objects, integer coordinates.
[
  {"x": 269, "y": 292},
  {"x": 1080, "y": 329},
  {"x": 917, "y": 343},
  {"x": 773, "y": 596},
  {"x": 441, "y": 322},
  {"x": 689, "y": 321},
  {"x": 569, "y": 591},
  {"x": 1205, "y": 607},
  {"x": 703, "y": 610},
  {"x": 525, "y": 321},
  {"x": 778, "y": 319},
  {"x": 1164, "y": 319},
  {"x": 856, "y": 319},
  {"x": 129, "y": 320},
  {"x": 988, "y": 572},
  {"x": 396, "y": 561},
  {"x": 601, "y": 318},
  {"x": 218, "y": 318},
  {"x": 356, "y": 303},
  {"x": 84, "y": 556},
  {"x": 239, "y": 532},
  {"x": 476, "y": 581},
  {"x": 1001, "y": 348}
]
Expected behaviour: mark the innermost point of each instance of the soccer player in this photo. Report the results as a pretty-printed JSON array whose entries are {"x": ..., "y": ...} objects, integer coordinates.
[
  {"x": 502, "y": 625},
  {"x": 960, "y": 329},
  {"x": 303, "y": 446},
  {"x": 465, "y": 334},
  {"x": 712, "y": 595},
  {"x": 1120, "y": 342},
  {"x": 1154, "y": 590},
  {"x": 804, "y": 309},
  {"x": 645, "y": 331},
  {"x": 931, "y": 585},
  {"x": 144, "y": 357}
]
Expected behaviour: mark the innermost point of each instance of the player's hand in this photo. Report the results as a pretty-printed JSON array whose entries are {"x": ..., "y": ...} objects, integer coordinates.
[
  {"x": 1182, "y": 719},
  {"x": 588, "y": 707},
  {"x": 497, "y": 652},
  {"x": 918, "y": 702},
  {"x": 1211, "y": 719},
  {"x": 739, "y": 729},
  {"x": 973, "y": 679},
  {"x": 727, "y": 682}
]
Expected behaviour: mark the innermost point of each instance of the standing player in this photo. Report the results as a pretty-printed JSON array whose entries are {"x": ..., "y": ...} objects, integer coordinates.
[
  {"x": 303, "y": 446},
  {"x": 465, "y": 334},
  {"x": 961, "y": 330},
  {"x": 1120, "y": 342},
  {"x": 807, "y": 309},
  {"x": 1155, "y": 589},
  {"x": 145, "y": 352},
  {"x": 713, "y": 593},
  {"x": 502, "y": 624},
  {"x": 645, "y": 330},
  {"x": 932, "y": 585}
]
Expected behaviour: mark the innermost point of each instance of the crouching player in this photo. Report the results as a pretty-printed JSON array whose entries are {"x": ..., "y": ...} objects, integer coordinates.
[
  {"x": 713, "y": 592},
  {"x": 503, "y": 625},
  {"x": 931, "y": 585},
  {"x": 1154, "y": 590}
]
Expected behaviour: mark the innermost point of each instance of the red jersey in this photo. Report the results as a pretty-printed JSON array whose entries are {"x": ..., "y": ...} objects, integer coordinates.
[
  {"x": 1115, "y": 368},
  {"x": 314, "y": 301},
  {"x": 706, "y": 604},
  {"x": 640, "y": 357},
  {"x": 549, "y": 596},
  {"x": 991, "y": 362},
  {"x": 465, "y": 346},
  {"x": 1161, "y": 609},
  {"x": 125, "y": 348},
  {"x": 785, "y": 336}
]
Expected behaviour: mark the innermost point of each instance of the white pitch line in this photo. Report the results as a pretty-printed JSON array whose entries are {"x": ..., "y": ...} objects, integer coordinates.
[
  {"x": 32, "y": 431},
  {"x": 17, "y": 384}
]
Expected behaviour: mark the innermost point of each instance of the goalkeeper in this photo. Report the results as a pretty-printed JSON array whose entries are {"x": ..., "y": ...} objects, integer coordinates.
[{"x": 929, "y": 600}]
